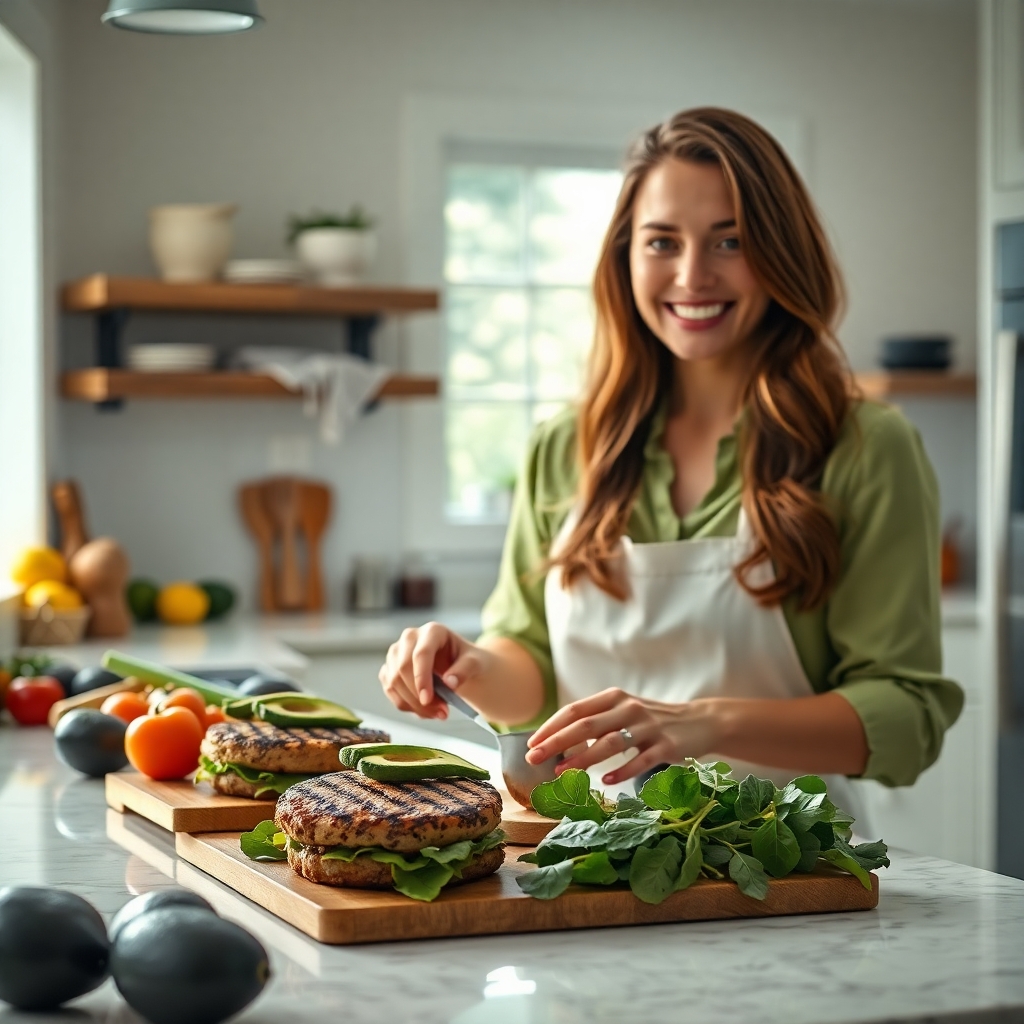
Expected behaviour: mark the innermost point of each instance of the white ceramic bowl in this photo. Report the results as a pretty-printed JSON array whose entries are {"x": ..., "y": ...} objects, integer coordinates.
[
  {"x": 191, "y": 242},
  {"x": 336, "y": 256}
]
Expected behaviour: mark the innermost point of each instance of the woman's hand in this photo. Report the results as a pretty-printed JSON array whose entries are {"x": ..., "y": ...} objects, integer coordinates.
[
  {"x": 407, "y": 674},
  {"x": 663, "y": 733}
]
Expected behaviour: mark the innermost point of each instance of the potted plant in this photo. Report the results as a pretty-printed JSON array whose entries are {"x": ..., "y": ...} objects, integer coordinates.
[{"x": 334, "y": 249}]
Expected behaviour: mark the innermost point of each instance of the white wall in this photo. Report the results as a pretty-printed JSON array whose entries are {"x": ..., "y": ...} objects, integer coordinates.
[{"x": 306, "y": 111}]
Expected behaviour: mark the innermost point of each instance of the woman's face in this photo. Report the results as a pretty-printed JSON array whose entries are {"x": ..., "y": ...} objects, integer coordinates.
[{"x": 691, "y": 282}]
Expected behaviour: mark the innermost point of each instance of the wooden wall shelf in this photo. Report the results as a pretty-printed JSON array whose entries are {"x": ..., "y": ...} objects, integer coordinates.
[
  {"x": 99, "y": 384},
  {"x": 101, "y": 293},
  {"x": 886, "y": 384}
]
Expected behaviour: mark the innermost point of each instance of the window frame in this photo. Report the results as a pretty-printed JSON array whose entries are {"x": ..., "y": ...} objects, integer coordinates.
[{"x": 431, "y": 128}]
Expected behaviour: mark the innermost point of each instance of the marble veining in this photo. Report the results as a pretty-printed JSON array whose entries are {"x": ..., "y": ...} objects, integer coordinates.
[{"x": 945, "y": 943}]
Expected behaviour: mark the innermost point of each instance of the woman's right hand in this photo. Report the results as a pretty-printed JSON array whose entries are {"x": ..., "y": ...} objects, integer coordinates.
[{"x": 407, "y": 673}]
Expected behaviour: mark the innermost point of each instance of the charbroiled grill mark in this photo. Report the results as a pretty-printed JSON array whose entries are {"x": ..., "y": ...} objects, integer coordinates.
[{"x": 348, "y": 809}]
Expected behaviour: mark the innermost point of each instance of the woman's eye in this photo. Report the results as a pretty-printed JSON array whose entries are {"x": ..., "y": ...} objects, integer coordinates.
[
  {"x": 661, "y": 244},
  {"x": 730, "y": 244}
]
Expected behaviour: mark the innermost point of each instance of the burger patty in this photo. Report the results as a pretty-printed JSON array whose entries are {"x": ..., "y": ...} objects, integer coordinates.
[
  {"x": 273, "y": 748},
  {"x": 363, "y": 873},
  {"x": 349, "y": 809},
  {"x": 231, "y": 784}
]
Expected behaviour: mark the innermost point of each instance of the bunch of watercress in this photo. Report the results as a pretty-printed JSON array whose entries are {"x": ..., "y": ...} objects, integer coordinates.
[{"x": 691, "y": 820}]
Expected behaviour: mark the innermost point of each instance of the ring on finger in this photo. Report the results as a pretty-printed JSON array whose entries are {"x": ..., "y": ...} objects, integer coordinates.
[{"x": 627, "y": 739}]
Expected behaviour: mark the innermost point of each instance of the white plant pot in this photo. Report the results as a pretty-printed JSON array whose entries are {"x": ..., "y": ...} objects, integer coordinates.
[
  {"x": 191, "y": 242},
  {"x": 336, "y": 256}
]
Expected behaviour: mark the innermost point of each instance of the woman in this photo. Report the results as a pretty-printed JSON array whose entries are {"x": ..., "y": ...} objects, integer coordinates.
[{"x": 722, "y": 552}]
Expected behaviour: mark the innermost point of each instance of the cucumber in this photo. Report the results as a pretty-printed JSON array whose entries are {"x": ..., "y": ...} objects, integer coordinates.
[{"x": 160, "y": 675}]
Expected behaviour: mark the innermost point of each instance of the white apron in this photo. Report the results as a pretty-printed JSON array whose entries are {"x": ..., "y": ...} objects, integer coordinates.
[{"x": 687, "y": 630}]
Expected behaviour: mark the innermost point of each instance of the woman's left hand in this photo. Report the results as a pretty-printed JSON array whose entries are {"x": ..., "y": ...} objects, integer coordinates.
[{"x": 661, "y": 732}]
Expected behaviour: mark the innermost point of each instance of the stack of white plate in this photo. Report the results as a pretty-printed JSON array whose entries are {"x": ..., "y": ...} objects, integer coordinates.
[
  {"x": 171, "y": 358},
  {"x": 263, "y": 272}
]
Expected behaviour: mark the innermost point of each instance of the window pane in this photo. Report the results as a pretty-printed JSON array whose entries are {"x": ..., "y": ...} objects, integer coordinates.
[
  {"x": 485, "y": 442},
  {"x": 486, "y": 342},
  {"x": 483, "y": 223},
  {"x": 569, "y": 213},
  {"x": 562, "y": 323}
]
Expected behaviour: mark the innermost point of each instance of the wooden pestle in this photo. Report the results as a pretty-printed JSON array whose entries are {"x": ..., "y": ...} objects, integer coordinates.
[{"x": 67, "y": 500}]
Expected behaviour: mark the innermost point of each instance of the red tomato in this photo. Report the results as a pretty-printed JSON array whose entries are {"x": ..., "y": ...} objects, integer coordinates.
[
  {"x": 164, "y": 746},
  {"x": 127, "y": 706},
  {"x": 186, "y": 698},
  {"x": 214, "y": 714},
  {"x": 29, "y": 699}
]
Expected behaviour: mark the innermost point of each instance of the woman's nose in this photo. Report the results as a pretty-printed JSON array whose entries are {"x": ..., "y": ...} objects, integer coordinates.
[{"x": 693, "y": 272}]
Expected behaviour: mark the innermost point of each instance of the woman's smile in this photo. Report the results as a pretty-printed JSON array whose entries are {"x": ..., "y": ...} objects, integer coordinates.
[{"x": 699, "y": 316}]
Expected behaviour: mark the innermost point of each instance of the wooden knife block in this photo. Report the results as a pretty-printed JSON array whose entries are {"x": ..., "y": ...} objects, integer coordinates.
[{"x": 287, "y": 518}]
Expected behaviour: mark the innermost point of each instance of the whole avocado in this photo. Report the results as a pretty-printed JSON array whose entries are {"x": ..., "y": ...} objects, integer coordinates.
[
  {"x": 221, "y": 595},
  {"x": 260, "y": 684},
  {"x": 154, "y": 900},
  {"x": 64, "y": 674},
  {"x": 91, "y": 742},
  {"x": 184, "y": 965},
  {"x": 92, "y": 679},
  {"x": 53, "y": 947}
]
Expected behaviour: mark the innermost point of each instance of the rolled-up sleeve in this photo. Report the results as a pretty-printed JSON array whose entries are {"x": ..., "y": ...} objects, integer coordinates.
[{"x": 884, "y": 617}]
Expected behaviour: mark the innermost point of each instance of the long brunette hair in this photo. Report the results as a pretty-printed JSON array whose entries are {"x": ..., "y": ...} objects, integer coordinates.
[{"x": 799, "y": 389}]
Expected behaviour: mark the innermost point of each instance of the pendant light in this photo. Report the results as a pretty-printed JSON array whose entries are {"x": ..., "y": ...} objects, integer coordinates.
[{"x": 183, "y": 17}]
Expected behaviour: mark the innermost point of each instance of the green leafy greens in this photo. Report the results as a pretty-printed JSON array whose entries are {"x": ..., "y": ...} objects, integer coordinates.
[
  {"x": 265, "y": 782},
  {"x": 420, "y": 876},
  {"x": 691, "y": 820}
]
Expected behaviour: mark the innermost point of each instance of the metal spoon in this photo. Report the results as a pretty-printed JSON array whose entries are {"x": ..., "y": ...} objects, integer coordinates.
[{"x": 520, "y": 776}]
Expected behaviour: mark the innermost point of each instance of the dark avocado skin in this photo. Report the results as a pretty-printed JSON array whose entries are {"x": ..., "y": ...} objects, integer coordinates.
[
  {"x": 184, "y": 965},
  {"x": 259, "y": 684},
  {"x": 53, "y": 947},
  {"x": 91, "y": 742},
  {"x": 64, "y": 674},
  {"x": 154, "y": 900},
  {"x": 92, "y": 679}
]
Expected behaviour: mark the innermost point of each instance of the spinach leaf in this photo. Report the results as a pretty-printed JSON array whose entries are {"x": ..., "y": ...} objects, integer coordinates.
[
  {"x": 259, "y": 843},
  {"x": 625, "y": 833},
  {"x": 676, "y": 787},
  {"x": 712, "y": 775},
  {"x": 595, "y": 869},
  {"x": 749, "y": 875},
  {"x": 717, "y": 856},
  {"x": 654, "y": 870},
  {"x": 754, "y": 796},
  {"x": 424, "y": 883},
  {"x": 569, "y": 792},
  {"x": 871, "y": 855},
  {"x": 629, "y": 806},
  {"x": 810, "y": 784},
  {"x": 446, "y": 854},
  {"x": 546, "y": 883},
  {"x": 841, "y": 860},
  {"x": 775, "y": 846},
  {"x": 810, "y": 849},
  {"x": 546, "y": 855},
  {"x": 690, "y": 870},
  {"x": 576, "y": 835},
  {"x": 824, "y": 833}
]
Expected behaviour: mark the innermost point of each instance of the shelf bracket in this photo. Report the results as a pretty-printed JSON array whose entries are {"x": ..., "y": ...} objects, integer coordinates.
[
  {"x": 359, "y": 334},
  {"x": 110, "y": 326}
]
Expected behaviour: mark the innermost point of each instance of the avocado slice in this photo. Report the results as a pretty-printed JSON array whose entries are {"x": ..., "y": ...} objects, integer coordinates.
[
  {"x": 401, "y": 762},
  {"x": 303, "y": 709},
  {"x": 245, "y": 707}
]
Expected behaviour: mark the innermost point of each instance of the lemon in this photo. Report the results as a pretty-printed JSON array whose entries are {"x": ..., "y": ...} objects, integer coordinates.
[
  {"x": 182, "y": 604},
  {"x": 35, "y": 564},
  {"x": 57, "y": 595}
]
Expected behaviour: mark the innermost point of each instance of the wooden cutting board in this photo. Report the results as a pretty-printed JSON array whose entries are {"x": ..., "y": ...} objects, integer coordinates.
[
  {"x": 185, "y": 807},
  {"x": 496, "y": 905}
]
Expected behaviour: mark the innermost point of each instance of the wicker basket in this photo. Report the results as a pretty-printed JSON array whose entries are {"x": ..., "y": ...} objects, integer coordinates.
[{"x": 47, "y": 627}]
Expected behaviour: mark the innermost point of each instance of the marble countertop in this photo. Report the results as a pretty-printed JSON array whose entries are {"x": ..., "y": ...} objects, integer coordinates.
[{"x": 944, "y": 944}]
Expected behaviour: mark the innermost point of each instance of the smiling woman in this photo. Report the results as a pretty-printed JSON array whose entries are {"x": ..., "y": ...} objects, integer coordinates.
[{"x": 724, "y": 551}]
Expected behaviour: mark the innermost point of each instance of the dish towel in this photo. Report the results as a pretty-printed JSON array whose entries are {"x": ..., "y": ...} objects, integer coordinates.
[{"x": 335, "y": 387}]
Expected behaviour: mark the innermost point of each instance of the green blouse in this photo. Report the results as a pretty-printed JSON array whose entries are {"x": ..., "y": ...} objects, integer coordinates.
[{"x": 877, "y": 640}]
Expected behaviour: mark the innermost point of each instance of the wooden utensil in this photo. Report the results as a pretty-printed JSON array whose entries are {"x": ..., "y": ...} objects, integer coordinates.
[
  {"x": 99, "y": 571},
  {"x": 67, "y": 500},
  {"x": 281, "y": 499},
  {"x": 314, "y": 515},
  {"x": 250, "y": 500}
]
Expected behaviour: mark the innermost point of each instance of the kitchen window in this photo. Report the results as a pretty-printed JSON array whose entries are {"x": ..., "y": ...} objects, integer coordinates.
[{"x": 522, "y": 236}]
